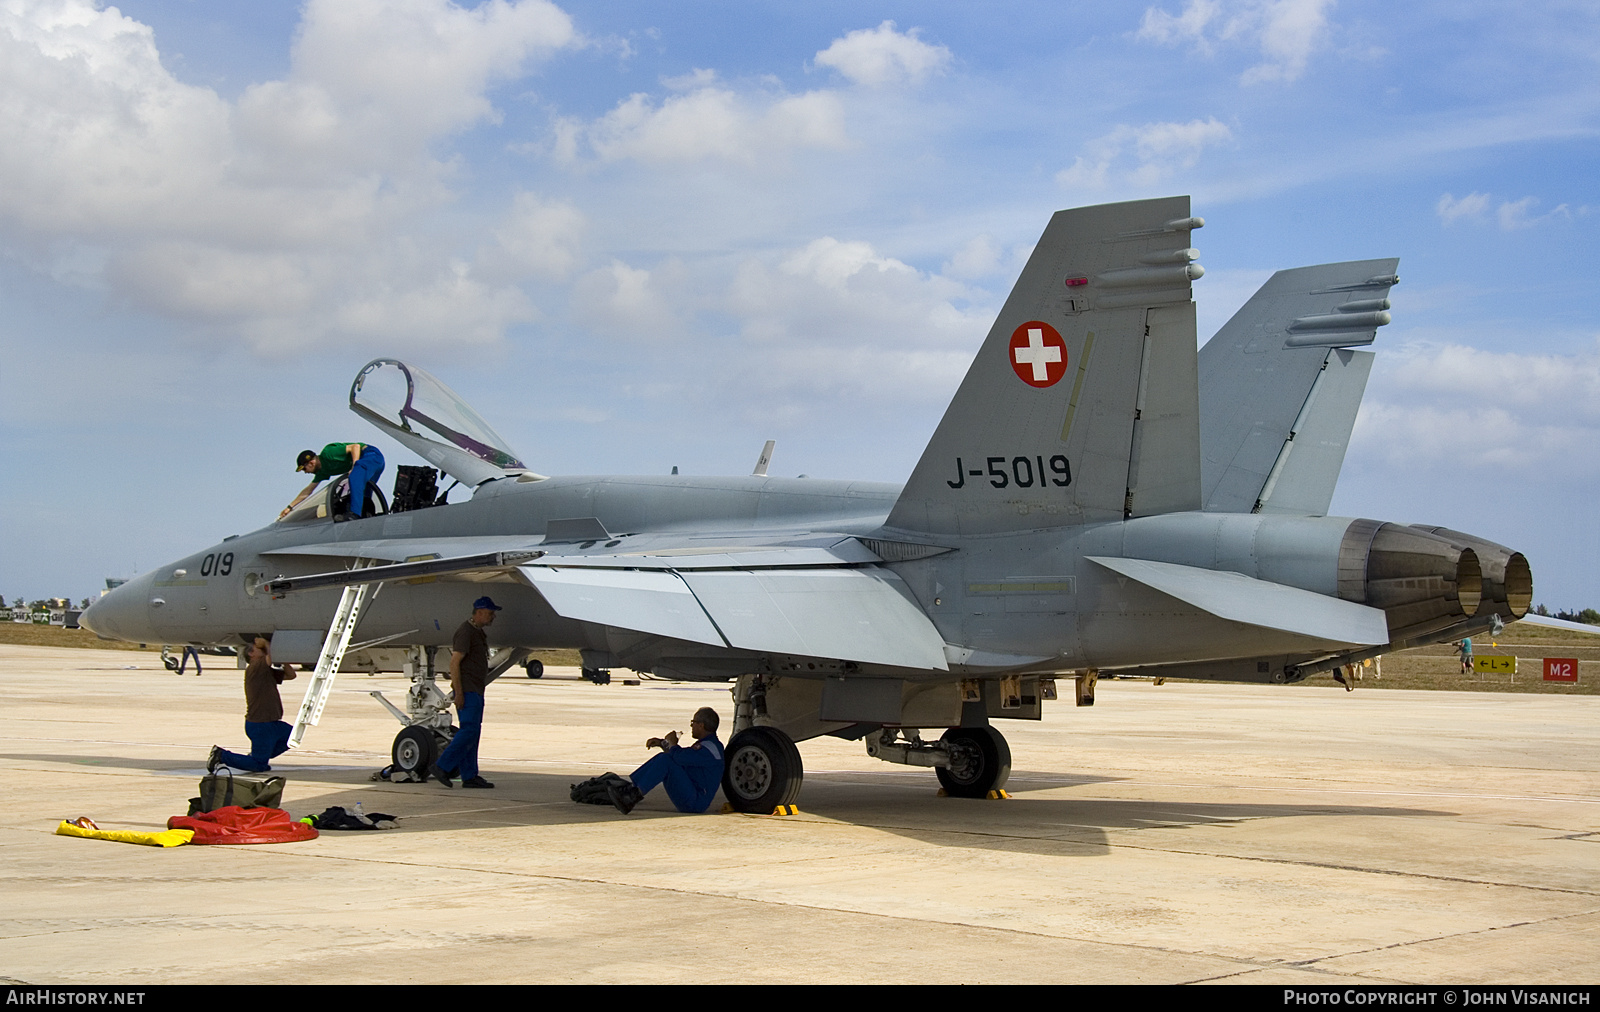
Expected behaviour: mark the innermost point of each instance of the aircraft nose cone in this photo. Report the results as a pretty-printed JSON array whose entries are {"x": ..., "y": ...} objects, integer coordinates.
[{"x": 122, "y": 614}]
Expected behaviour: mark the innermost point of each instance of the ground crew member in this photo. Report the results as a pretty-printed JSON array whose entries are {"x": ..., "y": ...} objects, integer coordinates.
[
  {"x": 691, "y": 775},
  {"x": 469, "y": 676},
  {"x": 363, "y": 463},
  {"x": 263, "y": 714},
  {"x": 1464, "y": 647}
]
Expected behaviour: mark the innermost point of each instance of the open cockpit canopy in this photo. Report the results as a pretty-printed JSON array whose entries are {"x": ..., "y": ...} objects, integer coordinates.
[{"x": 433, "y": 421}]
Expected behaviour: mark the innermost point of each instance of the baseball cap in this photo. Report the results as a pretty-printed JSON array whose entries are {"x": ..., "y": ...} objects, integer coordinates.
[
  {"x": 305, "y": 457},
  {"x": 485, "y": 602}
]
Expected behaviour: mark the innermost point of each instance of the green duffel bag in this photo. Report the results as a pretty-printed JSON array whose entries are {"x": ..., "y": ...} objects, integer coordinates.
[{"x": 221, "y": 789}]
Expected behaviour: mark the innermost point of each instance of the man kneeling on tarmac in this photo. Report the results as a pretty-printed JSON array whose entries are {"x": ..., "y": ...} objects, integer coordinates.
[{"x": 691, "y": 775}]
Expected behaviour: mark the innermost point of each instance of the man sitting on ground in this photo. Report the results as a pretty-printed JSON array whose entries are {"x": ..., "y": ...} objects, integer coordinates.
[{"x": 691, "y": 775}]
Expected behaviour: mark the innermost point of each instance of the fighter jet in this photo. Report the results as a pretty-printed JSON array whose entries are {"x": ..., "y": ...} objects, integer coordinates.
[{"x": 1061, "y": 524}]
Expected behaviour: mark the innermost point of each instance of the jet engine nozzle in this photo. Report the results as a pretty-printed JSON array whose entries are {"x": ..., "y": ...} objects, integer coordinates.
[
  {"x": 1423, "y": 582},
  {"x": 1507, "y": 578}
]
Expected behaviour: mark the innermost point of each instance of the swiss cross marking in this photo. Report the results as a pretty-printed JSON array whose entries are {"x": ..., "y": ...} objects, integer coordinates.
[{"x": 1038, "y": 355}]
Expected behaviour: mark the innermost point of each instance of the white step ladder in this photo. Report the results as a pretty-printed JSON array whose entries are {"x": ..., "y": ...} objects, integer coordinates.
[{"x": 345, "y": 620}]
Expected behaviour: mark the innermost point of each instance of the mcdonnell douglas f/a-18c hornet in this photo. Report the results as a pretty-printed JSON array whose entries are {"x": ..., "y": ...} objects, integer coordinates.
[{"x": 1099, "y": 498}]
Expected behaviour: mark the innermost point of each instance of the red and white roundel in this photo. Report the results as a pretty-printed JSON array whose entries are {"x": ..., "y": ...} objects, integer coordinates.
[{"x": 1038, "y": 354}]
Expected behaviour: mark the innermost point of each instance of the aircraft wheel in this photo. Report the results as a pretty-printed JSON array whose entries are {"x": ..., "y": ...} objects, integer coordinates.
[
  {"x": 599, "y": 676},
  {"x": 987, "y": 765},
  {"x": 415, "y": 749},
  {"x": 761, "y": 770},
  {"x": 534, "y": 667}
]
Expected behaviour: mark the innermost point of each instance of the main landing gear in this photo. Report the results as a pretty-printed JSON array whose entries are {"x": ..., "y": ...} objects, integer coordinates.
[
  {"x": 762, "y": 770},
  {"x": 980, "y": 762}
]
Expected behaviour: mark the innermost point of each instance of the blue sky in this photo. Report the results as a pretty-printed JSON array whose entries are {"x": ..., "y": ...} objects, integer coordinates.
[{"x": 640, "y": 236}]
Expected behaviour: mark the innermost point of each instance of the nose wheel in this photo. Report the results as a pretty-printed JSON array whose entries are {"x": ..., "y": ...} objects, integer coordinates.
[{"x": 415, "y": 749}]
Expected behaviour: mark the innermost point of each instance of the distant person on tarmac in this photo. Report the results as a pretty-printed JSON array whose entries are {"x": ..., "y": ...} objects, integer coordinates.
[
  {"x": 469, "y": 676},
  {"x": 363, "y": 463},
  {"x": 1464, "y": 647},
  {"x": 691, "y": 775},
  {"x": 263, "y": 714}
]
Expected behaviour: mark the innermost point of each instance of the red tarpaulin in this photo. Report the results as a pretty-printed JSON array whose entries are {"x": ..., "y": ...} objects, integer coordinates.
[{"x": 243, "y": 825}]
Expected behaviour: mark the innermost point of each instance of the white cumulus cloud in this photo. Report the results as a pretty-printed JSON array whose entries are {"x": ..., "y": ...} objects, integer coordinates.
[
  {"x": 1451, "y": 210},
  {"x": 881, "y": 56},
  {"x": 837, "y": 316},
  {"x": 1510, "y": 214},
  {"x": 1143, "y": 155},
  {"x": 707, "y": 124},
  {"x": 1285, "y": 32},
  {"x": 1456, "y": 406},
  {"x": 295, "y": 214}
]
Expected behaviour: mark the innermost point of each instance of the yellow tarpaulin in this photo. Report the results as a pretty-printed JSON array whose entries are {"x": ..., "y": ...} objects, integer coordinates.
[{"x": 165, "y": 838}]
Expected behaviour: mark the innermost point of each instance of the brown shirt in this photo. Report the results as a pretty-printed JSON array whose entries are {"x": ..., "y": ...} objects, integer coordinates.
[
  {"x": 261, "y": 702},
  {"x": 473, "y": 644}
]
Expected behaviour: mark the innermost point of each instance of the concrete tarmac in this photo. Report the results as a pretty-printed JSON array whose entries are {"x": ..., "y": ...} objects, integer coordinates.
[{"x": 1180, "y": 833}]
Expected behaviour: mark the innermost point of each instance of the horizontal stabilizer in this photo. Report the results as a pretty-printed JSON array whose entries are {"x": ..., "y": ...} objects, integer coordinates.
[
  {"x": 1238, "y": 598},
  {"x": 1546, "y": 622}
]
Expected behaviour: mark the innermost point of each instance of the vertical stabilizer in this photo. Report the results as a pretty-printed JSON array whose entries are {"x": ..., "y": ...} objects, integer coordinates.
[
  {"x": 1280, "y": 385},
  {"x": 1081, "y": 405}
]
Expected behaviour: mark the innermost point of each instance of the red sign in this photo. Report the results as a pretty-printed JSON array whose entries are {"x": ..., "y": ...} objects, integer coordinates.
[
  {"x": 1560, "y": 669},
  {"x": 1038, "y": 354}
]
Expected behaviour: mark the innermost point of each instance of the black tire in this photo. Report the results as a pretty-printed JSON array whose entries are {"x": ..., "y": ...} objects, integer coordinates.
[
  {"x": 415, "y": 749},
  {"x": 534, "y": 667},
  {"x": 599, "y": 676},
  {"x": 987, "y": 768},
  {"x": 761, "y": 770}
]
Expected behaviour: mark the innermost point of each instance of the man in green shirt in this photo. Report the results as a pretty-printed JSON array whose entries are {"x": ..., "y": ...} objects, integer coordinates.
[{"x": 363, "y": 463}]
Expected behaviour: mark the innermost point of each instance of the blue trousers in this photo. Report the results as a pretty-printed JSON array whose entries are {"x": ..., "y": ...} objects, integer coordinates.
[
  {"x": 365, "y": 472},
  {"x": 461, "y": 755},
  {"x": 668, "y": 770},
  {"x": 268, "y": 740}
]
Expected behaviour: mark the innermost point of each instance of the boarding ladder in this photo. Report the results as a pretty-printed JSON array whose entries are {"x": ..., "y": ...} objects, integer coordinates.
[{"x": 345, "y": 620}]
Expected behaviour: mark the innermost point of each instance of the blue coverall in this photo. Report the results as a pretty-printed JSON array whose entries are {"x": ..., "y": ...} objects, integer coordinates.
[{"x": 690, "y": 775}]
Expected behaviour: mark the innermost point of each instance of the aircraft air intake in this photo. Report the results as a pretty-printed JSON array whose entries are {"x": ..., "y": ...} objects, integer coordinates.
[{"x": 1423, "y": 582}]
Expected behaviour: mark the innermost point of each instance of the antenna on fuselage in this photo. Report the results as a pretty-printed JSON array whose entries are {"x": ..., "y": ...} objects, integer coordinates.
[{"x": 764, "y": 459}]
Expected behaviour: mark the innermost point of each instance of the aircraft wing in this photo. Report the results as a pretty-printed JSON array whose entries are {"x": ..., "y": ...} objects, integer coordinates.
[
  {"x": 1280, "y": 385},
  {"x": 658, "y": 552},
  {"x": 860, "y": 614},
  {"x": 822, "y": 597}
]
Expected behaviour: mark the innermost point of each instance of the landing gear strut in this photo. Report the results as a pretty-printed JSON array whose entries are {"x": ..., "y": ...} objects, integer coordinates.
[{"x": 426, "y": 716}]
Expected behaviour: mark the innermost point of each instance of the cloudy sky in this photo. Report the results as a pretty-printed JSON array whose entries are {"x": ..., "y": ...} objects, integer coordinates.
[{"x": 639, "y": 236}]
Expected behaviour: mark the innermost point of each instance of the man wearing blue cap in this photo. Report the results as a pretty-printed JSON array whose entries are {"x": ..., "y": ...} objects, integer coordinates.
[{"x": 469, "y": 675}]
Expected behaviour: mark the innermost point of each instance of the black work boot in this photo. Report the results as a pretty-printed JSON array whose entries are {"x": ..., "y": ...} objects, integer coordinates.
[{"x": 624, "y": 796}]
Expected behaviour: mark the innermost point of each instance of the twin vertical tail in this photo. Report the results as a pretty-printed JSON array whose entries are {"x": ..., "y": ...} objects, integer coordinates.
[
  {"x": 1280, "y": 384},
  {"x": 1082, "y": 405}
]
